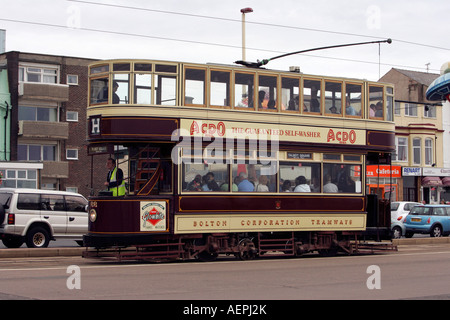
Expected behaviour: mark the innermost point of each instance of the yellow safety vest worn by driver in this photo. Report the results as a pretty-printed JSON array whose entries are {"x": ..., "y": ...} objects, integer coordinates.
[{"x": 118, "y": 190}]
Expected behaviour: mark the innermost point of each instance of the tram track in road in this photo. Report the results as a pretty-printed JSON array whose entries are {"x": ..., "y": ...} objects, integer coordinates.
[
  {"x": 18, "y": 262},
  {"x": 308, "y": 277},
  {"x": 405, "y": 244}
]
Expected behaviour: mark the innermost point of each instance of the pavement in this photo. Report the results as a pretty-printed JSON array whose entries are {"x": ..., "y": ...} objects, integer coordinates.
[{"x": 77, "y": 251}]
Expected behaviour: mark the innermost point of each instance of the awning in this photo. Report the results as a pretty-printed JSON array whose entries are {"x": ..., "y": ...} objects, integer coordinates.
[
  {"x": 446, "y": 181},
  {"x": 439, "y": 89},
  {"x": 431, "y": 182}
]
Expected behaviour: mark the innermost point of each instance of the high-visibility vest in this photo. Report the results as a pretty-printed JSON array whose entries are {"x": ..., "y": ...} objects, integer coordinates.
[{"x": 120, "y": 189}]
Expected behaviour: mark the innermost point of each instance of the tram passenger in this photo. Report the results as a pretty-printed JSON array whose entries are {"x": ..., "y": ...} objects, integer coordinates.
[
  {"x": 349, "y": 110},
  {"x": 116, "y": 99},
  {"x": 209, "y": 183},
  {"x": 114, "y": 179},
  {"x": 301, "y": 185},
  {"x": 245, "y": 185},
  {"x": 195, "y": 185},
  {"x": 205, "y": 186},
  {"x": 329, "y": 187},
  {"x": 286, "y": 187},
  {"x": 261, "y": 96},
  {"x": 372, "y": 110},
  {"x": 379, "y": 110},
  {"x": 333, "y": 110},
  {"x": 271, "y": 104},
  {"x": 262, "y": 185}
]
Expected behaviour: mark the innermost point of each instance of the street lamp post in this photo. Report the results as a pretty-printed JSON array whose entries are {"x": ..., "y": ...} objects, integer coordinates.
[{"x": 244, "y": 11}]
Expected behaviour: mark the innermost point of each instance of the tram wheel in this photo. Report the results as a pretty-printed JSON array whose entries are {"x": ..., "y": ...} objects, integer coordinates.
[
  {"x": 207, "y": 256},
  {"x": 331, "y": 252},
  {"x": 247, "y": 249}
]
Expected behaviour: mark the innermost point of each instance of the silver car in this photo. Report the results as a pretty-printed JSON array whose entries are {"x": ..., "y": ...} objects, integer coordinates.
[{"x": 399, "y": 211}]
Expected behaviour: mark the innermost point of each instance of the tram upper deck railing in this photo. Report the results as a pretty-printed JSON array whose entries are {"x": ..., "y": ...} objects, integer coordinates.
[{"x": 117, "y": 83}]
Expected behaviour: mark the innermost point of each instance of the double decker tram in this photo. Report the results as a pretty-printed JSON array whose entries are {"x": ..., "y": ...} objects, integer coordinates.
[{"x": 231, "y": 160}]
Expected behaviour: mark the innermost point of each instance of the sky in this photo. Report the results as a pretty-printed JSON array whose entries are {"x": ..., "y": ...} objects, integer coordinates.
[{"x": 210, "y": 31}]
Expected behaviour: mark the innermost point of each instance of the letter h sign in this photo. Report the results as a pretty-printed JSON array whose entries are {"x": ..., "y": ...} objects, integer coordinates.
[{"x": 95, "y": 126}]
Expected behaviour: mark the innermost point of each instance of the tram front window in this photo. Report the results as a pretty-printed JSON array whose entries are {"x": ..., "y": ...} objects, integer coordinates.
[
  {"x": 99, "y": 91},
  {"x": 121, "y": 86},
  {"x": 166, "y": 90},
  {"x": 143, "y": 88}
]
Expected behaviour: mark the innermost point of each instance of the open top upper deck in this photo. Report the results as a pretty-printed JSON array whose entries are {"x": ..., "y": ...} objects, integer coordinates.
[
  {"x": 209, "y": 92},
  {"x": 211, "y": 86}
]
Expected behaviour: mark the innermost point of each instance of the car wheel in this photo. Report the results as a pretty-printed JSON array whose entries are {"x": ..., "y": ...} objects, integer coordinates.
[
  {"x": 37, "y": 237},
  {"x": 396, "y": 232},
  {"x": 12, "y": 242},
  {"x": 436, "y": 231}
]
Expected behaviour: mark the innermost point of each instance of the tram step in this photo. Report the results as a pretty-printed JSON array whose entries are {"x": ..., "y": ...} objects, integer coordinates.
[
  {"x": 277, "y": 247},
  {"x": 372, "y": 247},
  {"x": 139, "y": 252}
]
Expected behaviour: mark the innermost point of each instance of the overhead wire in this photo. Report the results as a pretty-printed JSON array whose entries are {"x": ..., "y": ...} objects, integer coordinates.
[
  {"x": 254, "y": 22},
  {"x": 216, "y": 44},
  {"x": 121, "y": 33}
]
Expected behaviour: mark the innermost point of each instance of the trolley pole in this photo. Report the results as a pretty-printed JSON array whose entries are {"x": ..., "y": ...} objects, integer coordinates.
[{"x": 244, "y": 11}]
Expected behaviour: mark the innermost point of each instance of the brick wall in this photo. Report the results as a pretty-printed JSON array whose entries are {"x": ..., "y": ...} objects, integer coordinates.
[{"x": 80, "y": 170}]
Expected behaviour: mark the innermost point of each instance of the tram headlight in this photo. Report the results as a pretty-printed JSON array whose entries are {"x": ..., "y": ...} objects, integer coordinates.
[{"x": 92, "y": 215}]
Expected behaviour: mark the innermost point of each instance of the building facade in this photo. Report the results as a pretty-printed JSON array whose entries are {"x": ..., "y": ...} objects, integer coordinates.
[
  {"x": 47, "y": 119},
  {"x": 420, "y": 138}
]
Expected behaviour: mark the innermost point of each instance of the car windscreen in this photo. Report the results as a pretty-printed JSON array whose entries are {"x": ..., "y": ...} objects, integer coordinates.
[
  {"x": 5, "y": 199},
  {"x": 394, "y": 206},
  {"x": 419, "y": 210}
]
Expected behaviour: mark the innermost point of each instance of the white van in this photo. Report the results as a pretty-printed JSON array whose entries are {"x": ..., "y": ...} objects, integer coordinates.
[{"x": 37, "y": 216}]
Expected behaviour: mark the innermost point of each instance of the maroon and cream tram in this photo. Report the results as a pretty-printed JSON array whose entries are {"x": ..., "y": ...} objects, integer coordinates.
[{"x": 230, "y": 160}]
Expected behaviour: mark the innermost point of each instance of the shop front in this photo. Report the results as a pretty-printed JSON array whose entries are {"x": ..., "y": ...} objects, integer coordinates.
[
  {"x": 383, "y": 180},
  {"x": 435, "y": 185}
]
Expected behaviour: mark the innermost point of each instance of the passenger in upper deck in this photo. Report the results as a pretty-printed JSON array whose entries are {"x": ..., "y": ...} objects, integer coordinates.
[
  {"x": 379, "y": 110},
  {"x": 372, "y": 110},
  {"x": 261, "y": 97},
  {"x": 103, "y": 94},
  {"x": 349, "y": 110},
  {"x": 116, "y": 99},
  {"x": 333, "y": 110}
]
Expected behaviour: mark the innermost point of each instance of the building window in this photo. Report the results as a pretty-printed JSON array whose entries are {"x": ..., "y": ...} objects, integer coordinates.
[
  {"x": 19, "y": 179},
  {"x": 402, "y": 149},
  {"x": 397, "y": 108},
  {"x": 72, "y": 189},
  {"x": 411, "y": 109},
  {"x": 72, "y": 79},
  {"x": 30, "y": 152},
  {"x": 429, "y": 111},
  {"x": 38, "y": 113},
  {"x": 428, "y": 151},
  {"x": 39, "y": 74},
  {"x": 72, "y": 116},
  {"x": 72, "y": 154},
  {"x": 417, "y": 150}
]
